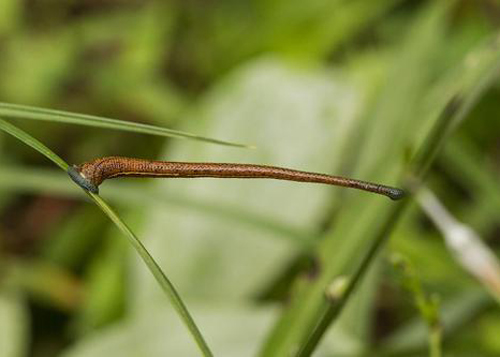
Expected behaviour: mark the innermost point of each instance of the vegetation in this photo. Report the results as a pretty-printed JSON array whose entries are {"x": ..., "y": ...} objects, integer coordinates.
[{"x": 398, "y": 92}]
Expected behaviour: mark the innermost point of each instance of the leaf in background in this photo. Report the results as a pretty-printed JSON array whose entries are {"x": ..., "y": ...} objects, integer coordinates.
[
  {"x": 363, "y": 225},
  {"x": 10, "y": 11},
  {"x": 463, "y": 160},
  {"x": 70, "y": 243},
  {"x": 287, "y": 111},
  {"x": 14, "y": 324},
  {"x": 456, "y": 313},
  {"x": 319, "y": 26},
  {"x": 299, "y": 119},
  {"x": 105, "y": 283},
  {"x": 232, "y": 331},
  {"x": 34, "y": 143},
  {"x": 464, "y": 244},
  {"x": 36, "y": 78},
  {"x": 151, "y": 62},
  {"x": 33, "y": 113},
  {"x": 29, "y": 180},
  {"x": 234, "y": 32},
  {"x": 143, "y": 37},
  {"x": 160, "y": 277},
  {"x": 47, "y": 284}
]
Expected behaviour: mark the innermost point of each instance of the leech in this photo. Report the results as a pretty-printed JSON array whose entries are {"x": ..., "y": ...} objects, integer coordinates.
[{"x": 91, "y": 174}]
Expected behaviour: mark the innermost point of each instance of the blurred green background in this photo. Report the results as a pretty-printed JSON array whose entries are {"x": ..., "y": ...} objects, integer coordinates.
[{"x": 348, "y": 87}]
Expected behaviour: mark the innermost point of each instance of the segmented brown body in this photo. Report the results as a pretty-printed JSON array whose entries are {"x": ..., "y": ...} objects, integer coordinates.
[{"x": 96, "y": 171}]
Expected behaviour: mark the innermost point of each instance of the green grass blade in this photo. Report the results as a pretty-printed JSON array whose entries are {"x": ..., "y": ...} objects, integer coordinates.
[
  {"x": 33, "y": 113},
  {"x": 307, "y": 311},
  {"x": 158, "y": 273},
  {"x": 457, "y": 313},
  {"x": 427, "y": 304},
  {"x": 34, "y": 143},
  {"x": 453, "y": 114},
  {"x": 165, "y": 284},
  {"x": 30, "y": 180},
  {"x": 363, "y": 223},
  {"x": 464, "y": 161}
]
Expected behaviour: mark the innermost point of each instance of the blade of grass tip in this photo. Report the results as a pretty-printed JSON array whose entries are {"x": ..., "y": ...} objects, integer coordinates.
[
  {"x": 155, "y": 269},
  {"x": 33, "y": 113},
  {"x": 157, "y": 272}
]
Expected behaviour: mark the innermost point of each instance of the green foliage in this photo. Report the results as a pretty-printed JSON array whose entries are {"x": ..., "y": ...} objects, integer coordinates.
[
  {"x": 25, "y": 112},
  {"x": 156, "y": 271},
  {"x": 428, "y": 306},
  {"x": 391, "y": 91}
]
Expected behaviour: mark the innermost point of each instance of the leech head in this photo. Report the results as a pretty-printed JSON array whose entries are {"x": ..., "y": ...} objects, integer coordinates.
[
  {"x": 395, "y": 193},
  {"x": 76, "y": 175}
]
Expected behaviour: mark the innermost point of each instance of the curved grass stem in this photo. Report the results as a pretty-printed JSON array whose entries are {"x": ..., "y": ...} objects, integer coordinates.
[{"x": 165, "y": 284}]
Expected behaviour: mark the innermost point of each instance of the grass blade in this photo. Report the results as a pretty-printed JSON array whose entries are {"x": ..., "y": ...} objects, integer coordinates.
[
  {"x": 309, "y": 311},
  {"x": 165, "y": 284},
  {"x": 451, "y": 117},
  {"x": 427, "y": 304},
  {"x": 29, "y": 180},
  {"x": 34, "y": 143},
  {"x": 158, "y": 273},
  {"x": 456, "y": 314},
  {"x": 26, "y": 112}
]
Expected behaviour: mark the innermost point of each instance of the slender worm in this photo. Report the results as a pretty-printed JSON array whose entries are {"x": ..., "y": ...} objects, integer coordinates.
[{"x": 90, "y": 175}]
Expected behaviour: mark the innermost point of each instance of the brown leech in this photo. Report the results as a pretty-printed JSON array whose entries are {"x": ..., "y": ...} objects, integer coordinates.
[{"x": 91, "y": 174}]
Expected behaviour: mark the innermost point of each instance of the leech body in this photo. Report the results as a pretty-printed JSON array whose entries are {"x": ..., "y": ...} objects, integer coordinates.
[{"x": 91, "y": 174}]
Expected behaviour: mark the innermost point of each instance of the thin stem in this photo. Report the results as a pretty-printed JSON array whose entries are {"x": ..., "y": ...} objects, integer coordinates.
[
  {"x": 155, "y": 269},
  {"x": 451, "y": 116},
  {"x": 165, "y": 284},
  {"x": 8, "y": 110},
  {"x": 333, "y": 309},
  {"x": 435, "y": 341}
]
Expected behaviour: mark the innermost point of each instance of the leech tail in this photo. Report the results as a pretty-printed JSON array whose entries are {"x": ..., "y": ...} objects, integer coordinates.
[{"x": 82, "y": 181}]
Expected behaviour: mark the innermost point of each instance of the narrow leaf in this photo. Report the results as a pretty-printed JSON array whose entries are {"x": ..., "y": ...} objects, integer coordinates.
[
  {"x": 155, "y": 269},
  {"x": 26, "y": 112}
]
